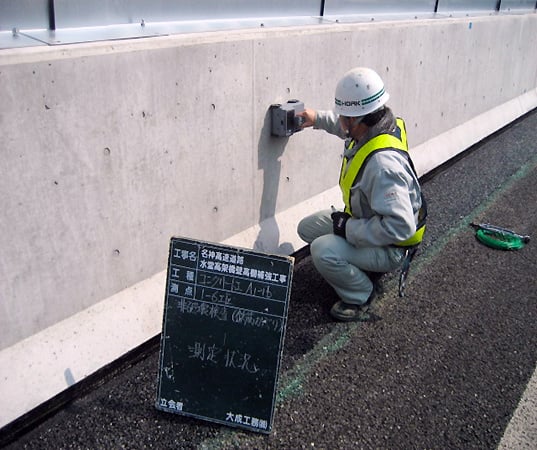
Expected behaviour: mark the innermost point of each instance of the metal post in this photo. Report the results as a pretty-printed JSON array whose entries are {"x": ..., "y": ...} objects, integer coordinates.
[{"x": 51, "y": 15}]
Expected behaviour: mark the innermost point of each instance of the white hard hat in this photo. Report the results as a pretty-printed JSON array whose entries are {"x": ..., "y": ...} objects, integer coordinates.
[{"x": 360, "y": 92}]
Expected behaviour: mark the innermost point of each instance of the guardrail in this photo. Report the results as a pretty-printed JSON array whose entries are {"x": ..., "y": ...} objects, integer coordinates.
[{"x": 58, "y": 22}]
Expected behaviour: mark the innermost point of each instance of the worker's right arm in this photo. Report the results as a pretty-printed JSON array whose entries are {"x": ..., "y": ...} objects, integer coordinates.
[
  {"x": 325, "y": 120},
  {"x": 309, "y": 117}
]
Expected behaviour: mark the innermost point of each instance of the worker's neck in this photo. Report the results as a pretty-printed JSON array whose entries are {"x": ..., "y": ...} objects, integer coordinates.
[{"x": 359, "y": 131}]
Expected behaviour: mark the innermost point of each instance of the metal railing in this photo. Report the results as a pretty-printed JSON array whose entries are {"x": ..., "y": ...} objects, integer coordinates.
[{"x": 55, "y": 22}]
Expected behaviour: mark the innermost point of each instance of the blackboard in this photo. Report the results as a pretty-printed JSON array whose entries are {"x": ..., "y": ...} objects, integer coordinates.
[{"x": 222, "y": 335}]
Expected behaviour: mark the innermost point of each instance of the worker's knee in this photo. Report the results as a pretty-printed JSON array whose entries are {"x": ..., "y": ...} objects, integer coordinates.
[
  {"x": 324, "y": 250},
  {"x": 314, "y": 226}
]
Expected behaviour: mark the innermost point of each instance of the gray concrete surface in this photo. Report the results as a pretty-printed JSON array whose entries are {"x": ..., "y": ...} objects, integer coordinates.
[
  {"x": 110, "y": 148},
  {"x": 443, "y": 368},
  {"x": 522, "y": 430}
]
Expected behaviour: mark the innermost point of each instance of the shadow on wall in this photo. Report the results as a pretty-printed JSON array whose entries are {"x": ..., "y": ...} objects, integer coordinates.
[{"x": 269, "y": 151}]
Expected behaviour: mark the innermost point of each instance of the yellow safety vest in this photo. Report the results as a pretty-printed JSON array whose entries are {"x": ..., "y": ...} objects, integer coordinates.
[{"x": 349, "y": 172}]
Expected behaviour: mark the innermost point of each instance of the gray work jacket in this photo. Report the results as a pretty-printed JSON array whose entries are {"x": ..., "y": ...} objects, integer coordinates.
[{"x": 385, "y": 196}]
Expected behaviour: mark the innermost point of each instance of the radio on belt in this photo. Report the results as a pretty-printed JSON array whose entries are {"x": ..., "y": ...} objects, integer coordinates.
[{"x": 285, "y": 122}]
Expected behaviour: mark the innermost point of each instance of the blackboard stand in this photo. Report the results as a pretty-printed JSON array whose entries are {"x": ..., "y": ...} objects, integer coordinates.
[{"x": 222, "y": 336}]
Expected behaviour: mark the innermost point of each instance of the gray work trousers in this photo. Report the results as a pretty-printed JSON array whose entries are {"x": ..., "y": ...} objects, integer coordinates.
[{"x": 342, "y": 264}]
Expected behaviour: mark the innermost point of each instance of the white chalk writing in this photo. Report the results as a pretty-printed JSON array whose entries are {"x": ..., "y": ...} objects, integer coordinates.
[{"x": 231, "y": 358}]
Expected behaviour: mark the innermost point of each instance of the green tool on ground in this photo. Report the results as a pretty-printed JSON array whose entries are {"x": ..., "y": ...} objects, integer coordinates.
[{"x": 498, "y": 237}]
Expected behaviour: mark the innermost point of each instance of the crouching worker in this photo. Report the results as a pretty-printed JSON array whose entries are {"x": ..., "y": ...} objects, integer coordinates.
[{"x": 383, "y": 217}]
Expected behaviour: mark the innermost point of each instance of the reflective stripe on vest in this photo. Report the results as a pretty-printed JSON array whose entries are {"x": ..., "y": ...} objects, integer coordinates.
[{"x": 349, "y": 172}]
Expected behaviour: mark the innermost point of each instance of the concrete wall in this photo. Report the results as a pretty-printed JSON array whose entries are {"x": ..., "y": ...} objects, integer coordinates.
[{"x": 109, "y": 149}]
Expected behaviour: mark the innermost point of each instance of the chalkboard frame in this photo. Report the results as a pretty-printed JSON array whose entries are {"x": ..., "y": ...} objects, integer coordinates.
[{"x": 223, "y": 331}]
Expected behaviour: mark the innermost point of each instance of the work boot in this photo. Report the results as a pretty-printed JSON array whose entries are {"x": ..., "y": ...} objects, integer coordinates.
[
  {"x": 349, "y": 312},
  {"x": 376, "y": 279}
]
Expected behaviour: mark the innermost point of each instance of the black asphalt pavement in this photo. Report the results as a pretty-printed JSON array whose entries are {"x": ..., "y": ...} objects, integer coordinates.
[{"x": 442, "y": 368}]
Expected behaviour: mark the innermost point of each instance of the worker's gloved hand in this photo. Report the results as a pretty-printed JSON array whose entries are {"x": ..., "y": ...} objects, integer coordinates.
[{"x": 339, "y": 220}]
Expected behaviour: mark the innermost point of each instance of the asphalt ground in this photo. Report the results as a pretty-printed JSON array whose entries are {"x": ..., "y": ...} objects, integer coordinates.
[{"x": 442, "y": 368}]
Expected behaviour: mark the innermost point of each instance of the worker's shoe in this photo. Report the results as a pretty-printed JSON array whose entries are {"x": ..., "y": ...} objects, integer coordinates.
[
  {"x": 349, "y": 312},
  {"x": 376, "y": 279},
  {"x": 346, "y": 312}
]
